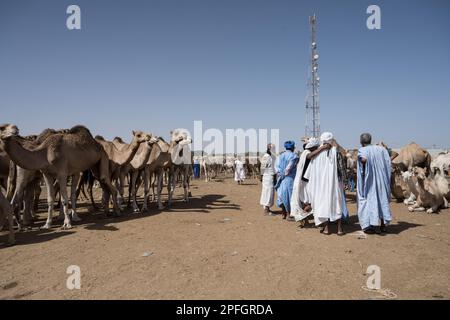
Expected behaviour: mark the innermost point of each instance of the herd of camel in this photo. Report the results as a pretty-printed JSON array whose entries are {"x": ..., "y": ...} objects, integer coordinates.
[
  {"x": 417, "y": 179},
  {"x": 59, "y": 156}
]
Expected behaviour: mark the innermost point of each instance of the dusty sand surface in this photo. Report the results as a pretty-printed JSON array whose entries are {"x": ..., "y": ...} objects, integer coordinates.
[{"x": 221, "y": 246}]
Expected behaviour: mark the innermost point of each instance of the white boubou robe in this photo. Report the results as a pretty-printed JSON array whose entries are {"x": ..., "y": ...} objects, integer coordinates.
[
  {"x": 267, "y": 191},
  {"x": 301, "y": 192},
  {"x": 325, "y": 191}
]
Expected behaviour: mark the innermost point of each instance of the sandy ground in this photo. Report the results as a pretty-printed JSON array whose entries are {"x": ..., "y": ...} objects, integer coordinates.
[{"x": 221, "y": 246}]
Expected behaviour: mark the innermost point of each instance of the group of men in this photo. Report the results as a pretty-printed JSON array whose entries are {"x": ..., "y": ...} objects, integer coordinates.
[{"x": 313, "y": 184}]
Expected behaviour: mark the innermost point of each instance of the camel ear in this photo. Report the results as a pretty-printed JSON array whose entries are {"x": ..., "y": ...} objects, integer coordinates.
[{"x": 134, "y": 132}]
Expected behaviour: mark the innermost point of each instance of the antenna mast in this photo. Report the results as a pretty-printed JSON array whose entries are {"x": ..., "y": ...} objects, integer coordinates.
[{"x": 312, "y": 127}]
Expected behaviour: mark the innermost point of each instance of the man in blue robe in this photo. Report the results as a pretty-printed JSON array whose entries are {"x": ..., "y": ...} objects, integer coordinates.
[
  {"x": 286, "y": 169},
  {"x": 373, "y": 187}
]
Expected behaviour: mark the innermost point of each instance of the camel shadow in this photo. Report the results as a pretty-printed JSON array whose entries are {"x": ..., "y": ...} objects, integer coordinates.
[
  {"x": 35, "y": 236},
  {"x": 204, "y": 204}
]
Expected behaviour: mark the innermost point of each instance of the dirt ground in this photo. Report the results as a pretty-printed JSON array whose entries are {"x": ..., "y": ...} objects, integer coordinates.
[{"x": 221, "y": 246}]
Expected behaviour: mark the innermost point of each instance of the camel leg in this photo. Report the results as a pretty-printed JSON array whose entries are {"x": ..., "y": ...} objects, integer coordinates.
[
  {"x": 122, "y": 188},
  {"x": 416, "y": 208},
  {"x": 91, "y": 193},
  {"x": 134, "y": 176},
  {"x": 153, "y": 179},
  {"x": 73, "y": 201},
  {"x": 170, "y": 186},
  {"x": 37, "y": 194},
  {"x": 62, "y": 180},
  {"x": 159, "y": 186},
  {"x": 28, "y": 205},
  {"x": 185, "y": 186},
  {"x": 146, "y": 176},
  {"x": 105, "y": 181},
  {"x": 433, "y": 209},
  {"x": 6, "y": 212},
  {"x": 50, "y": 200},
  {"x": 119, "y": 188}
]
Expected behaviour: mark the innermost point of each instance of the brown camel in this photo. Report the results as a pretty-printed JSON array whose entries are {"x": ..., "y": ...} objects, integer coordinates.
[
  {"x": 158, "y": 162},
  {"x": 181, "y": 157},
  {"x": 24, "y": 185},
  {"x": 120, "y": 157},
  {"x": 411, "y": 156},
  {"x": 60, "y": 156}
]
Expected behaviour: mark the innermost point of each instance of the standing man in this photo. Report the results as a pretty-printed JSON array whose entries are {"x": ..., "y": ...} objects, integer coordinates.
[
  {"x": 286, "y": 170},
  {"x": 239, "y": 172},
  {"x": 268, "y": 174},
  {"x": 196, "y": 168},
  {"x": 373, "y": 187},
  {"x": 300, "y": 200},
  {"x": 324, "y": 175}
]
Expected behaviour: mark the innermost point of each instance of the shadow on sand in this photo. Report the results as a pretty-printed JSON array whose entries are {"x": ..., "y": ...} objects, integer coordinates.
[{"x": 98, "y": 220}]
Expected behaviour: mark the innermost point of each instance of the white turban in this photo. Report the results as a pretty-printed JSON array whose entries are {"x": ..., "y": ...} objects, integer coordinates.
[
  {"x": 312, "y": 142},
  {"x": 326, "y": 137}
]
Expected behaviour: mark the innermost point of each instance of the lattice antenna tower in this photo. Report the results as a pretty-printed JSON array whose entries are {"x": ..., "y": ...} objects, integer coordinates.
[{"x": 312, "y": 127}]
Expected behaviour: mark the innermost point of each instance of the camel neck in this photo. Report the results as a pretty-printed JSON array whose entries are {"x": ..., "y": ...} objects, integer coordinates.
[
  {"x": 128, "y": 153},
  {"x": 25, "y": 158}
]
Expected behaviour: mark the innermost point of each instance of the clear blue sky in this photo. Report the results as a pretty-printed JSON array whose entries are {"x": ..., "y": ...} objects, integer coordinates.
[{"x": 158, "y": 65}]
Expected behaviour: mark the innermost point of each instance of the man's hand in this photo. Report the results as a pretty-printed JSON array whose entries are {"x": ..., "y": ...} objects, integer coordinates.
[{"x": 326, "y": 146}]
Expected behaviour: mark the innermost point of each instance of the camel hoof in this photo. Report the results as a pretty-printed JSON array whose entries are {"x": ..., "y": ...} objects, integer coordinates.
[
  {"x": 411, "y": 209},
  {"x": 66, "y": 226},
  {"x": 46, "y": 226}
]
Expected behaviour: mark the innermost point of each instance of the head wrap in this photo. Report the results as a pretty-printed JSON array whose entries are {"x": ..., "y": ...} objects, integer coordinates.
[
  {"x": 312, "y": 142},
  {"x": 326, "y": 137},
  {"x": 289, "y": 144}
]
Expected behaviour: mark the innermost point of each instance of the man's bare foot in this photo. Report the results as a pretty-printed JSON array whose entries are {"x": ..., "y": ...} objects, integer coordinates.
[{"x": 324, "y": 229}]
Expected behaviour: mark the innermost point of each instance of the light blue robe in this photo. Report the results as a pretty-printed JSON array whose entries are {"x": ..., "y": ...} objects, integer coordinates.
[
  {"x": 285, "y": 183},
  {"x": 374, "y": 188}
]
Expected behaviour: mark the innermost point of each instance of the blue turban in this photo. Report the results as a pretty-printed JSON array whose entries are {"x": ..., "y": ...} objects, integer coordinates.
[{"x": 289, "y": 144}]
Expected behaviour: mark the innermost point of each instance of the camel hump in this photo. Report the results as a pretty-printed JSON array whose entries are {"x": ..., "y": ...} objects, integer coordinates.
[
  {"x": 79, "y": 129},
  {"x": 97, "y": 137},
  {"x": 118, "y": 139}
]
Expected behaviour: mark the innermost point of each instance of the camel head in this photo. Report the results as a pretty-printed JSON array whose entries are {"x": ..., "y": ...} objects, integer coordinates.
[
  {"x": 139, "y": 136},
  {"x": 420, "y": 173},
  {"x": 407, "y": 175},
  {"x": 7, "y": 130},
  {"x": 180, "y": 136},
  {"x": 152, "y": 139}
]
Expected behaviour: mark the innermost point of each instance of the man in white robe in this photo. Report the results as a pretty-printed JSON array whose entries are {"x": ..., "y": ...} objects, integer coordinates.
[
  {"x": 267, "y": 179},
  {"x": 300, "y": 199},
  {"x": 326, "y": 192},
  {"x": 239, "y": 172}
]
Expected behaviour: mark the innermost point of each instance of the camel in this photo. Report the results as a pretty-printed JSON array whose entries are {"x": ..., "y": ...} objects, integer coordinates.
[
  {"x": 411, "y": 156},
  {"x": 431, "y": 190},
  {"x": 136, "y": 165},
  {"x": 399, "y": 188},
  {"x": 212, "y": 166},
  {"x": 6, "y": 213},
  {"x": 60, "y": 156},
  {"x": 181, "y": 159},
  {"x": 120, "y": 157},
  {"x": 159, "y": 161},
  {"x": 441, "y": 164},
  {"x": 24, "y": 185}
]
